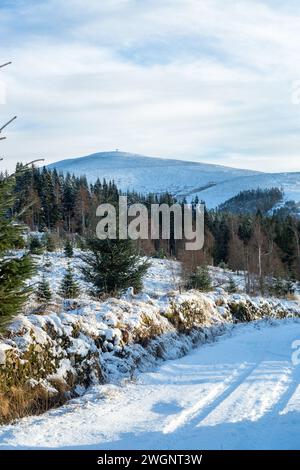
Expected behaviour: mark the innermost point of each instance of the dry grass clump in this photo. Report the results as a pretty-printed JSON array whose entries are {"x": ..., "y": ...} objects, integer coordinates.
[
  {"x": 187, "y": 315},
  {"x": 25, "y": 400},
  {"x": 148, "y": 329}
]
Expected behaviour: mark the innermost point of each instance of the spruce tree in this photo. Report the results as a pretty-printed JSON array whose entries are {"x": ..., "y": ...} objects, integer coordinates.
[
  {"x": 113, "y": 265},
  {"x": 43, "y": 292},
  {"x": 200, "y": 279},
  {"x": 232, "y": 287},
  {"x": 47, "y": 263},
  {"x": 69, "y": 252},
  {"x": 282, "y": 287},
  {"x": 36, "y": 247},
  {"x": 14, "y": 270},
  {"x": 69, "y": 288},
  {"x": 50, "y": 243}
]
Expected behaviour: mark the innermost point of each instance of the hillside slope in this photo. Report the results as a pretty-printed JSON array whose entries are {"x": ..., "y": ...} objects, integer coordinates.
[
  {"x": 289, "y": 182},
  {"x": 147, "y": 174},
  {"x": 212, "y": 183}
]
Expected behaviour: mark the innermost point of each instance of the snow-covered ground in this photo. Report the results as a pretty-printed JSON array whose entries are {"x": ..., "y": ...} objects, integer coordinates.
[
  {"x": 146, "y": 174},
  {"x": 162, "y": 276},
  {"x": 241, "y": 392}
]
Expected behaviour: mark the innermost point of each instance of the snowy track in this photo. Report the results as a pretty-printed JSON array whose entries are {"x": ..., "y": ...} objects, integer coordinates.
[{"x": 242, "y": 392}]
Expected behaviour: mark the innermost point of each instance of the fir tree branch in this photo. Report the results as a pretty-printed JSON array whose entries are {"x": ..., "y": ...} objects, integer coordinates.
[
  {"x": 4, "y": 65},
  {"x": 7, "y": 124}
]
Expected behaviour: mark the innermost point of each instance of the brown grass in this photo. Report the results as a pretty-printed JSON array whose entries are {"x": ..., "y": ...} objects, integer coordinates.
[
  {"x": 24, "y": 401},
  {"x": 147, "y": 330},
  {"x": 293, "y": 297}
]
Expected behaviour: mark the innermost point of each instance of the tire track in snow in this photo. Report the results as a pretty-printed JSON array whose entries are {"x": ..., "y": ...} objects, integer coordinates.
[
  {"x": 286, "y": 403},
  {"x": 257, "y": 395},
  {"x": 211, "y": 400}
]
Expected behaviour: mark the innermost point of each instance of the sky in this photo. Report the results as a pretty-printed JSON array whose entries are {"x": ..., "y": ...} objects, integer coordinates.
[{"x": 216, "y": 81}]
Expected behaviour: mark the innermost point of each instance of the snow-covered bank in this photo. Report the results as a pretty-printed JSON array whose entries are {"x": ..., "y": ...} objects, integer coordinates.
[
  {"x": 75, "y": 344},
  {"x": 241, "y": 392},
  {"x": 72, "y": 345}
]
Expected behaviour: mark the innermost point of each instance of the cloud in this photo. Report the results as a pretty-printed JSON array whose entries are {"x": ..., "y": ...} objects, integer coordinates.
[{"x": 207, "y": 80}]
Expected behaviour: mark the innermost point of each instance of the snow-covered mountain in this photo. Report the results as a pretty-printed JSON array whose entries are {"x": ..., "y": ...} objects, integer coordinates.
[{"x": 212, "y": 183}]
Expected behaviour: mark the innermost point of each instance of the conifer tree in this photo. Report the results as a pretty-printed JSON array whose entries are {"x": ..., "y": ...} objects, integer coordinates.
[
  {"x": 282, "y": 287},
  {"x": 14, "y": 270},
  {"x": 50, "y": 243},
  {"x": 200, "y": 279},
  {"x": 232, "y": 287},
  {"x": 35, "y": 246},
  {"x": 47, "y": 262},
  {"x": 69, "y": 288},
  {"x": 69, "y": 252},
  {"x": 43, "y": 292},
  {"x": 113, "y": 265}
]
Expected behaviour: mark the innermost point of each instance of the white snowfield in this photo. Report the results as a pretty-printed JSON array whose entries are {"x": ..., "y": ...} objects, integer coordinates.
[
  {"x": 241, "y": 392},
  {"x": 212, "y": 183}
]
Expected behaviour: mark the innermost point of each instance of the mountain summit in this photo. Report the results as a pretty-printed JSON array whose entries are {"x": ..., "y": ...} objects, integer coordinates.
[{"x": 212, "y": 183}]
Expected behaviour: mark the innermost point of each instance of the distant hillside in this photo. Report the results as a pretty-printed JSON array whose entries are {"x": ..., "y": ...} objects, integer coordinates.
[
  {"x": 252, "y": 201},
  {"x": 214, "y": 184}
]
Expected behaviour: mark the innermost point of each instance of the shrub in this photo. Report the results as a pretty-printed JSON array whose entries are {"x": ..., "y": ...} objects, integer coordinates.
[
  {"x": 186, "y": 315},
  {"x": 147, "y": 329},
  {"x": 246, "y": 311}
]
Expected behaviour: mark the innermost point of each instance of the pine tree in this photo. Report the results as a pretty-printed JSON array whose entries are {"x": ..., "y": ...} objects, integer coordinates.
[
  {"x": 221, "y": 235},
  {"x": 47, "y": 263},
  {"x": 14, "y": 270},
  {"x": 43, "y": 292},
  {"x": 113, "y": 265},
  {"x": 232, "y": 287},
  {"x": 200, "y": 279},
  {"x": 290, "y": 287},
  {"x": 282, "y": 287},
  {"x": 50, "y": 243},
  {"x": 69, "y": 252},
  {"x": 160, "y": 254},
  {"x": 35, "y": 246},
  {"x": 69, "y": 288}
]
